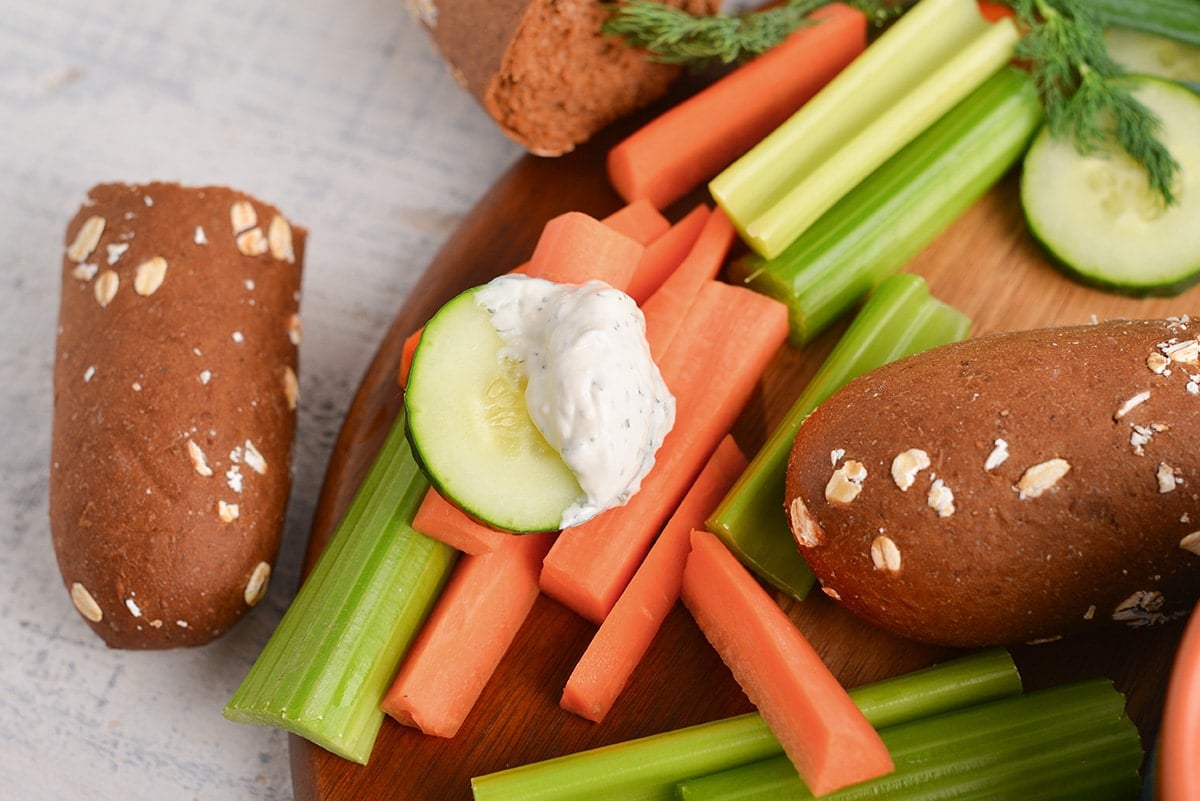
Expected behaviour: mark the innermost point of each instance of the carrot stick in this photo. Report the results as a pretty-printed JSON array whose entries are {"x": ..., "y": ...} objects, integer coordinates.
[
  {"x": 823, "y": 732},
  {"x": 438, "y": 518},
  {"x": 575, "y": 247},
  {"x": 627, "y": 631},
  {"x": 406, "y": 355},
  {"x": 728, "y": 337},
  {"x": 466, "y": 635},
  {"x": 665, "y": 253},
  {"x": 664, "y": 310},
  {"x": 693, "y": 141},
  {"x": 638, "y": 220}
]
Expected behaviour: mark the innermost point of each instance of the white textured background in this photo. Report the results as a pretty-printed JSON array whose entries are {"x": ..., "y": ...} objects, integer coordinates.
[{"x": 338, "y": 111}]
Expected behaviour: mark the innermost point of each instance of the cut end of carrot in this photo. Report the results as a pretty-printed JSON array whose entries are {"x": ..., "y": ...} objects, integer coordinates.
[
  {"x": 562, "y": 583},
  {"x": 579, "y": 702},
  {"x": 399, "y": 709}
]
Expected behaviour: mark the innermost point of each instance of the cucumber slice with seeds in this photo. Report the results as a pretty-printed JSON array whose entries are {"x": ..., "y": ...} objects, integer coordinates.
[
  {"x": 470, "y": 428},
  {"x": 1145, "y": 53},
  {"x": 1099, "y": 220}
]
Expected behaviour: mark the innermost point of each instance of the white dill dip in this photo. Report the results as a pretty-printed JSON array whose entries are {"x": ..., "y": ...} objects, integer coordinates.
[{"x": 591, "y": 386}]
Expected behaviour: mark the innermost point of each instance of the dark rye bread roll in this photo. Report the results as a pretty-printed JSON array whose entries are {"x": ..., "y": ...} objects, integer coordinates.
[
  {"x": 1012, "y": 488},
  {"x": 174, "y": 408},
  {"x": 542, "y": 68}
]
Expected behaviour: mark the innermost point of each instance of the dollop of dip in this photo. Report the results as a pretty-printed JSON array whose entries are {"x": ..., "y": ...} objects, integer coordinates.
[{"x": 591, "y": 386}]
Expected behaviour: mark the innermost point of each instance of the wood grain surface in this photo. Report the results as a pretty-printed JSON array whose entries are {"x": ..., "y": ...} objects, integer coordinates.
[{"x": 985, "y": 265}]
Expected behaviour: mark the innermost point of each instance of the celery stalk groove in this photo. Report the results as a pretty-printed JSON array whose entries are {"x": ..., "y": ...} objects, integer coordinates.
[
  {"x": 900, "y": 318},
  {"x": 326, "y": 667}
]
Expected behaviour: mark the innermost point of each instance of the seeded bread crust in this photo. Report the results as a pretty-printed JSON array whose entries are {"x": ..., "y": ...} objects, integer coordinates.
[
  {"x": 174, "y": 408},
  {"x": 542, "y": 69},
  {"x": 1012, "y": 488}
]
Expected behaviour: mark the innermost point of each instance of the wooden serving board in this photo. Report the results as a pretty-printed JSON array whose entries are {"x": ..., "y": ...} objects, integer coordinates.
[{"x": 985, "y": 265}]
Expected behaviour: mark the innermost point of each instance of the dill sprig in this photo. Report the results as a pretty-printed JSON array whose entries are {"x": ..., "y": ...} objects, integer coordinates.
[
  {"x": 675, "y": 36},
  {"x": 1079, "y": 83},
  {"x": 1081, "y": 89}
]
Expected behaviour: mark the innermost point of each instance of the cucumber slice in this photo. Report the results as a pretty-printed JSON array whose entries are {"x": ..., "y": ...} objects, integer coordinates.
[
  {"x": 1096, "y": 215},
  {"x": 470, "y": 428},
  {"x": 1150, "y": 54}
]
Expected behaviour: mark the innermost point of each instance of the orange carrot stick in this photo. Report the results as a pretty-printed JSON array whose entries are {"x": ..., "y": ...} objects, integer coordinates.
[
  {"x": 638, "y": 220},
  {"x": 574, "y": 247},
  {"x": 728, "y": 337},
  {"x": 438, "y": 518},
  {"x": 627, "y": 631},
  {"x": 664, "y": 310},
  {"x": 665, "y": 253},
  {"x": 821, "y": 729},
  {"x": 693, "y": 141},
  {"x": 466, "y": 635},
  {"x": 406, "y": 355}
]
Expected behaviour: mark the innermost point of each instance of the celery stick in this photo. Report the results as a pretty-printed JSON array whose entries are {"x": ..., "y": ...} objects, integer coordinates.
[
  {"x": 1175, "y": 19},
  {"x": 1042, "y": 745},
  {"x": 645, "y": 769},
  {"x": 900, "y": 318},
  {"x": 326, "y": 667},
  {"x": 772, "y": 231},
  {"x": 1079, "y": 766},
  {"x": 891, "y": 66},
  {"x": 940, "y": 51},
  {"x": 901, "y": 207}
]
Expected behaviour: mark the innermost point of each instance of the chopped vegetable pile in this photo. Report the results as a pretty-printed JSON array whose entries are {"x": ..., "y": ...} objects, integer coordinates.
[{"x": 883, "y": 140}]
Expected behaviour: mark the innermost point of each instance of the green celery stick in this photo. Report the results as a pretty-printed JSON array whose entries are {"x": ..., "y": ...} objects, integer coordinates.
[
  {"x": 647, "y": 769},
  {"x": 1042, "y": 745},
  {"x": 900, "y": 208},
  {"x": 900, "y": 318},
  {"x": 934, "y": 56},
  {"x": 888, "y": 68},
  {"x": 329, "y": 662}
]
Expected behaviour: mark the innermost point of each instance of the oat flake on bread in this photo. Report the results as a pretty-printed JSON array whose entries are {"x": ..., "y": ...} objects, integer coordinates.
[
  {"x": 1014, "y": 488},
  {"x": 175, "y": 397}
]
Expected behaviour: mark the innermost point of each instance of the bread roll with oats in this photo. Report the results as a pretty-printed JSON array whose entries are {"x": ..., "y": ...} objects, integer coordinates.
[
  {"x": 174, "y": 408},
  {"x": 542, "y": 69},
  {"x": 1012, "y": 488}
]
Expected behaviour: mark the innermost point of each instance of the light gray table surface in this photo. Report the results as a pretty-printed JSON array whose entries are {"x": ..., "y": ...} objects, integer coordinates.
[{"x": 342, "y": 114}]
